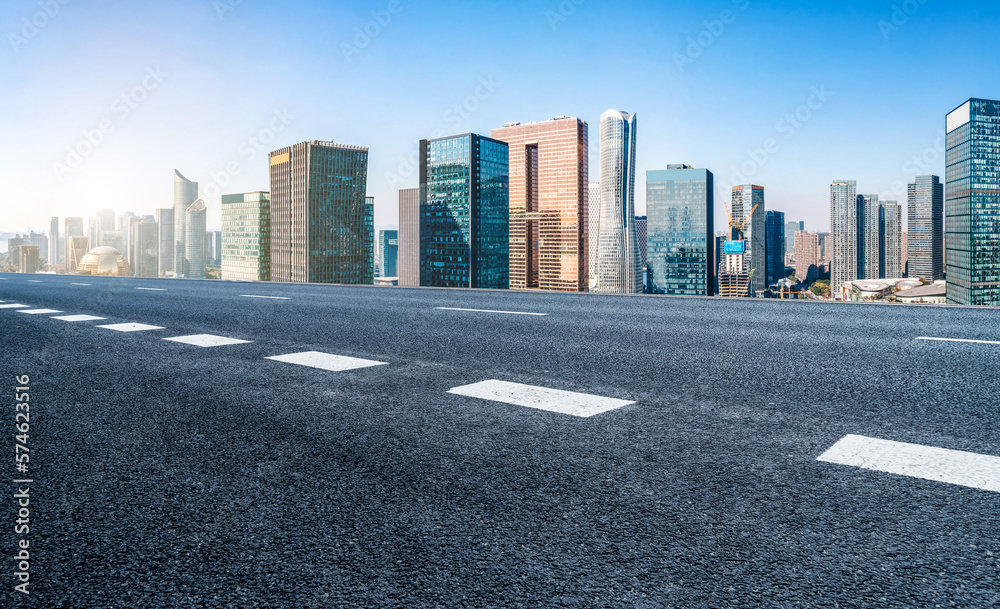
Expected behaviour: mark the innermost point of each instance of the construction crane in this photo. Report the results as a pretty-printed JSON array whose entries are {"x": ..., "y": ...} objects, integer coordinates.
[{"x": 741, "y": 228}]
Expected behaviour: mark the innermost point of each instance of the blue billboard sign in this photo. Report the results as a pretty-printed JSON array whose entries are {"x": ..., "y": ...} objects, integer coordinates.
[{"x": 735, "y": 247}]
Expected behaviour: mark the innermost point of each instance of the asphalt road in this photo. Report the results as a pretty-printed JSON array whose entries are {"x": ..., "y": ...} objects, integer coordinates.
[{"x": 170, "y": 475}]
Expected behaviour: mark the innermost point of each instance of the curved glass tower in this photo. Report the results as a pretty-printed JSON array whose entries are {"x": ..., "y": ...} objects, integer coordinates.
[
  {"x": 194, "y": 240},
  {"x": 619, "y": 267},
  {"x": 185, "y": 193}
]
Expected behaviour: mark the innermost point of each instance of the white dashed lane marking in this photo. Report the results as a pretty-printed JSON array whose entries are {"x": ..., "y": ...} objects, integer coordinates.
[
  {"x": 79, "y": 284},
  {"x": 38, "y": 311},
  {"x": 131, "y": 327},
  {"x": 542, "y": 398},
  {"x": 33, "y": 281},
  {"x": 79, "y": 318},
  {"x": 153, "y": 289},
  {"x": 268, "y": 297},
  {"x": 959, "y": 340},
  {"x": 206, "y": 340},
  {"x": 917, "y": 461},
  {"x": 326, "y": 361},
  {"x": 14, "y": 306},
  {"x": 487, "y": 311}
]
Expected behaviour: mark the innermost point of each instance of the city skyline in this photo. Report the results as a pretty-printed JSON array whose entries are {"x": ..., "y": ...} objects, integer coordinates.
[{"x": 218, "y": 137}]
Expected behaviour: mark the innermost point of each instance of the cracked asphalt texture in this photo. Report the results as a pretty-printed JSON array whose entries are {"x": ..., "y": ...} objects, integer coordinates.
[{"x": 168, "y": 475}]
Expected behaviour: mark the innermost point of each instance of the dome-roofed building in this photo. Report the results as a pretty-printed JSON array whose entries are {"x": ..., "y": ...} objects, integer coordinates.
[{"x": 104, "y": 261}]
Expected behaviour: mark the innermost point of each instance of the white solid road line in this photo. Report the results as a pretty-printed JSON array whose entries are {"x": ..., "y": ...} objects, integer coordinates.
[
  {"x": 916, "y": 461},
  {"x": 326, "y": 361},
  {"x": 486, "y": 311},
  {"x": 78, "y": 318},
  {"x": 206, "y": 340},
  {"x": 268, "y": 297},
  {"x": 14, "y": 306},
  {"x": 960, "y": 340},
  {"x": 38, "y": 311},
  {"x": 542, "y": 398},
  {"x": 131, "y": 327},
  {"x": 153, "y": 289}
]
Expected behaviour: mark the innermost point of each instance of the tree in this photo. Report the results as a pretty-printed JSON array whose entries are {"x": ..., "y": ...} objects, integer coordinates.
[{"x": 820, "y": 287}]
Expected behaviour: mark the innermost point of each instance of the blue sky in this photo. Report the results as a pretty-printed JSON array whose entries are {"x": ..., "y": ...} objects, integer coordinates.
[{"x": 210, "y": 86}]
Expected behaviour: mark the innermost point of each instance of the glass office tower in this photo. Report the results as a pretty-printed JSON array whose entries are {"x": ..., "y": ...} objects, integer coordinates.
[
  {"x": 464, "y": 212},
  {"x": 891, "y": 240},
  {"x": 972, "y": 187},
  {"x": 680, "y": 243},
  {"x": 774, "y": 228},
  {"x": 185, "y": 194},
  {"x": 246, "y": 236},
  {"x": 388, "y": 253},
  {"x": 618, "y": 261},
  {"x": 322, "y": 225},
  {"x": 925, "y": 228}
]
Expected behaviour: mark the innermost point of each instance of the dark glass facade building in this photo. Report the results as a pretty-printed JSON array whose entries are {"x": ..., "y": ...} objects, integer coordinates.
[
  {"x": 388, "y": 253},
  {"x": 774, "y": 228},
  {"x": 322, "y": 225},
  {"x": 972, "y": 190},
  {"x": 925, "y": 228},
  {"x": 680, "y": 242},
  {"x": 464, "y": 212}
]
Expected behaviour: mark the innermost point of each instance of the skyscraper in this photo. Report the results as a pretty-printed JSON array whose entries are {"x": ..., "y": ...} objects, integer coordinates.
[
  {"x": 322, "y": 224},
  {"x": 973, "y": 203},
  {"x": 593, "y": 230},
  {"x": 641, "y": 234},
  {"x": 870, "y": 237},
  {"x": 774, "y": 229},
  {"x": 807, "y": 256},
  {"x": 548, "y": 203},
  {"x": 790, "y": 230},
  {"x": 53, "y": 253},
  {"x": 680, "y": 245},
  {"x": 165, "y": 222},
  {"x": 28, "y": 260},
  {"x": 194, "y": 240},
  {"x": 185, "y": 194},
  {"x": 845, "y": 264},
  {"x": 105, "y": 220},
  {"x": 464, "y": 211},
  {"x": 748, "y": 211},
  {"x": 409, "y": 237},
  {"x": 618, "y": 265},
  {"x": 246, "y": 236},
  {"x": 925, "y": 229},
  {"x": 388, "y": 249},
  {"x": 72, "y": 227},
  {"x": 77, "y": 247},
  {"x": 144, "y": 254},
  {"x": 891, "y": 240}
]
